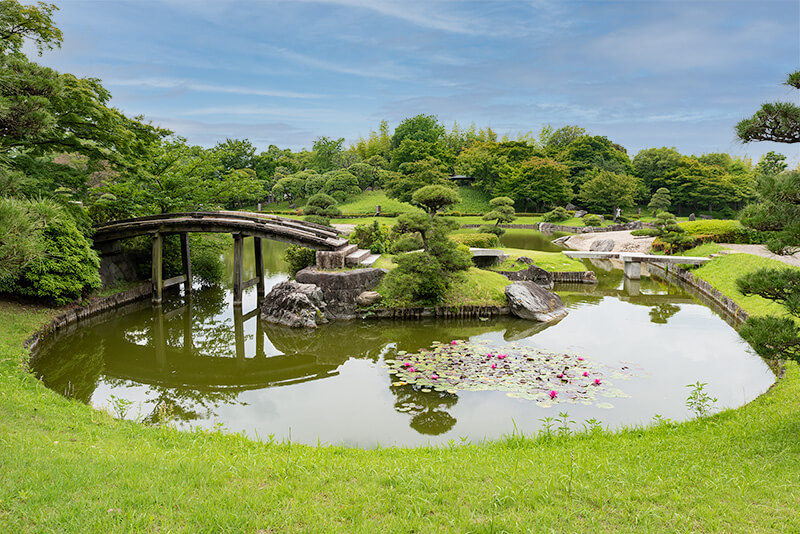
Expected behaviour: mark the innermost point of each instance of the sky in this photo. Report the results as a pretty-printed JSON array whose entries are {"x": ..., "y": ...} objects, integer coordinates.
[{"x": 644, "y": 73}]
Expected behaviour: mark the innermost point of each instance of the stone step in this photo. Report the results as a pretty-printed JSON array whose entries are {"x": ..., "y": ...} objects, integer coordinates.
[
  {"x": 338, "y": 241},
  {"x": 356, "y": 257},
  {"x": 347, "y": 249},
  {"x": 370, "y": 260}
]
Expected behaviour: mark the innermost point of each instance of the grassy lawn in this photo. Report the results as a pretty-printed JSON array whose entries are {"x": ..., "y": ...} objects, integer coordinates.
[
  {"x": 69, "y": 468},
  {"x": 478, "y": 287},
  {"x": 549, "y": 261}
]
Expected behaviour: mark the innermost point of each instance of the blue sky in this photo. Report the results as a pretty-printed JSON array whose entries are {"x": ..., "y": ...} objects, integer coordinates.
[{"x": 645, "y": 73}]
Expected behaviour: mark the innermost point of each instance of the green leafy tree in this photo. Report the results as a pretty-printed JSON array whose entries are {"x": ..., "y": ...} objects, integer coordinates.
[
  {"x": 660, "y": 201},
  {"x": 289, "y": 188},
  {"x": 652, "y": 164},
  {"x": 605, "y": 191},
  {"x": 19, "y": 23},
  {"x": 327, "y": 153},
  {"x": 421, "y": 127},
  {"x": 415, "y": 175},
  {"x": 341, "y": 185},
  {"x": 322, "y": 208},
  {"x": 588, "y": 152},
  {"x": 541, "y": 181},
  {"x": 771, "y": 163},
  {"x": 502, "y": 213},
  {"x": 377, "y": 144},
  {"x": 562, "y": 137},
  {"x": 777, "y": 121},
  {"x": 433, "y": 198}
]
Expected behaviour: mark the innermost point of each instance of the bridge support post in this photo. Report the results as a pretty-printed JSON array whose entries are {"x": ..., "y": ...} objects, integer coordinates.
[
  {"x": 186, "y": 260},
  {"x": 632, "y": 269},
  {"x": 158, "y": 277},
  {"x": 238, "y": 268},
  {"x": 260, "y": 288}
]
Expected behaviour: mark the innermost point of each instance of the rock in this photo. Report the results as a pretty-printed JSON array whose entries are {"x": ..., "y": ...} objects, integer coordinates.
[
  {"x": 293, "y": 304},
  {"x": 602, "y": 245},
  {"x": 368, "y": 298},
  {"x": 570, "y": 207},
  {"x": 691, "y": 216},
  {"x": 293, "y": 205},
  {"x": 529, "y": 300},
  {"x": 547, "y": 228},
  {"x": 531, "y": 274},
  {"x": 706, "y": 217},
  {"x": 561, "y": 240},
  {"x": 581, "y": 213},
  {"x": 340, "y": 289},
  {"x": 524, "y": 259}
]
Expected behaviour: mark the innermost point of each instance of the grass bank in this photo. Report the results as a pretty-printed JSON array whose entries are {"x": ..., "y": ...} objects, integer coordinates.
[{"x": 69, "y": 468}]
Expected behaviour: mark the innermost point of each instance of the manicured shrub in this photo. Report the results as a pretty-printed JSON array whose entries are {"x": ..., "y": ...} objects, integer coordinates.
[
  {"x": 418, "y": 279},
  {"x": 592, "y": 220},
  {"x": 492, "y": 229},
  {"x": 717, "y": 230},
  {"x": 406, "y": 243},
  {"x": 651, "y": 232},
  {"x": 299, "y": 258},
  {"x": 317, "y": 219},
  {"x": 479, "y": 240},
  {"x": 374, "y": 237},
  {"x": 555, "y": 215}
]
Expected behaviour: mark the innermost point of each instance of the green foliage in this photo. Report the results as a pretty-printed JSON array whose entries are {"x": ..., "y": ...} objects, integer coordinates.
[
  {"x": 327, "y": 153},
  {"x": 321, "y": 206},
  {"x": 479, "y": 240},
  {"x": 771, "y": 163},
  {"x": 778, "y": 122},
  {"x": 718, "y": 230},
  {"x": 502, "y": 212},
  {"x": 780, "y": 285},
  {"x": 406, "y": 243},
  {"x": 68, "y": 269},
  {"x": 557, "y": 214},
  {"x": 777, "y": 210},
  {"x": 652, "y": 164},
  {"x": 418, "y": 278},
  {"x": 421, "y": 127},
  {"x": 373, "y": 237},
  {"x": 492, "y": 229},
  {"x": 415, "y": 175},
  {"x": 434, "y": 198},
  {"x": 542, "y": 181},
  {"x": 660, "y": 200},
  {"x": 772, "y": 337},
  {"x": 35, "y": 23},
  {"x": 318, "y": 219},
  {"x": 367, "y": 175},
  {"x": 22, "y": 223},
  {"x": 651, "y": 232},
  {"x": 562, "y": 137},
  {"x": 606, "y": 191},
  {"x": 289, "y": 188},
  {"x": 592, "y": 220},
  {"x": 298, "y": 258},
  {"x": 341, "y": 185},
  {"x": 314, "y": 183},
  {"x": 699, "y": 401}
]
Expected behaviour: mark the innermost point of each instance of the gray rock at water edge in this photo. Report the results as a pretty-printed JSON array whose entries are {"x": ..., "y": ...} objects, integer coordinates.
[
  {"x": 368, "y": 298},
  {"x": 525, "y": 259},
  {"x": 581, "y": 213},
  {"x": 529, "y": 300},
  {"x": 602, "y": 245},
  {"x": 561, "y": 240},
  {"x": 295, "y": 305},
  {"x": 531, "y": 274},
  {"x": 570, "y": 207},
  {"x": 691, "y": 216}
]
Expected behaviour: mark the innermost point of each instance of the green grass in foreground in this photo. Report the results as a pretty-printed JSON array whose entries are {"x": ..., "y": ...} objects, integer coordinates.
[
  {"x": 69, "y": 468},
  {"x": 478, "y": 287}
]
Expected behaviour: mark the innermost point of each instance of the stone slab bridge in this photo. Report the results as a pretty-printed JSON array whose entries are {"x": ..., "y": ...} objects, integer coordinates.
[
  {"x": 333, "y": 250},
  {"x": 632, "y": 261}
]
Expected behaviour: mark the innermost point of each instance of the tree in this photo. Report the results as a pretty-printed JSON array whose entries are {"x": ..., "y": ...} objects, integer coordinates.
[
  {"x": 327, "y": 153},
  {"x": 432, "y": 198},
  {"x": 377, "y": 144},
  {"x": 660, "y": 201},
  {"x": 606, "y": 191},
  {"x": 652, "y": 164},
  {"x": 778, "y": 121},
  {"x": 771, "y": 163},
  {"x": 321, "y": 208},
  {"x": 18, "y": 23},
  {"x": 502, "y": 213},
  {"x": 416, "y": 174},
  {"x": 421, "y": 127},
  {"x": 587, "y": 152},
  {"x": 341, "y": 185},
  {"x": 542, "y": 181},
  {"x": 562, "y": 137}
]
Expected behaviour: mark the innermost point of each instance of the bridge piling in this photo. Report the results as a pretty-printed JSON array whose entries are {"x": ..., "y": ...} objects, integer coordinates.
[
  {"x": 186, "y": 260},
  {"x": 260, "y": 287},
  {"x": 238, "y": 268},
  {"x": 158, "y": 275}
]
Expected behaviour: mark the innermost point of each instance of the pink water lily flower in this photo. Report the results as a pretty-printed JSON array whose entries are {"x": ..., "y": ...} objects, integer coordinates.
[
  {"x": 501, "y": 356},
  {"x": 596, "y": 381},
  {"x": 560, "y": 375},
  {"x": 494, "y": 366},
  {"x": 407, "y": 364},
  {"x": 434, "y": 376},
  {"x": 553, "y": 394},
  {"x": 454, "y": 342},
  {"x": 586, "y": 373},
  {"x": 580, "y": 359},
  {"x": 412, "y": 369}
]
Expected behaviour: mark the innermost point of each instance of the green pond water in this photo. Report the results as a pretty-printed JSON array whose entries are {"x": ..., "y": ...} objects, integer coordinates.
[{"x": 199, "y": 362}]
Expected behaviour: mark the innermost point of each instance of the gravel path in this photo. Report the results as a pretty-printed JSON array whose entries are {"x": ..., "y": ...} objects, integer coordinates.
[
  {"x": 623, "y": 241},
  {"x": 761, "y": 250}
]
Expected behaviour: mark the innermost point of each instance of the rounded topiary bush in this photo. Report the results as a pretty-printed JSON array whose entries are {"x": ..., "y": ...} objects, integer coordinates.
[{"x": 592, "y": 220}]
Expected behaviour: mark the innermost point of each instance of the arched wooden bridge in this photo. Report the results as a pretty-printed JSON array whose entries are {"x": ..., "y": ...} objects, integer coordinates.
[{"x": 240, "y": 224}]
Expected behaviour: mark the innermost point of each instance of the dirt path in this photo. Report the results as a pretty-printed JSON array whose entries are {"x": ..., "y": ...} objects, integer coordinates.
[{"x": 761, "y": 250}]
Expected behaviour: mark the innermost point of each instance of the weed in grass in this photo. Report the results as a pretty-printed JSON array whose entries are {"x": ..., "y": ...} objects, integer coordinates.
[
  {"x": 564, "y": 423},
  {"x": 546, "y": 432},
  {"x": 593, "y": 426},
  {"x": 699, "y": 401},
  {"x": 120, "y": 406}
]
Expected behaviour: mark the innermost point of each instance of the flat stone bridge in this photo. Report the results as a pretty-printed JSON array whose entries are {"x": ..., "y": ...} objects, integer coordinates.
[
  {"x": 334, "y": 248},
  {"x": 632, "y": 261}
]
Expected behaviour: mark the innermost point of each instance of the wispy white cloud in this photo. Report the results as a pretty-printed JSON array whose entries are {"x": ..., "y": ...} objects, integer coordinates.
[
  {"x": 190, "y": 85},
  {"x": 383, "y": 71}
]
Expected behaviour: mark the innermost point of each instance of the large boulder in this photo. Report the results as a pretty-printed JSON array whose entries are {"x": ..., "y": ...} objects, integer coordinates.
[
  {"x": 531, "y": 274},
  {"x": 340, "y": 289},
  {"x": 602, "y": 245},
  {"x": 293, "y": 304},
  {"x": 529, "y": 300}
]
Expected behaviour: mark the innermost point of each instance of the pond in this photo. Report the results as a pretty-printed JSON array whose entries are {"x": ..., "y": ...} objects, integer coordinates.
[{"x": 199, "y": 362}]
